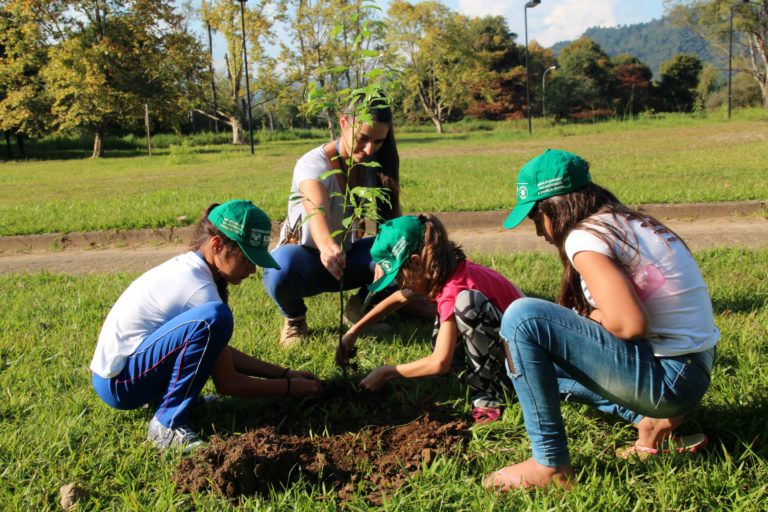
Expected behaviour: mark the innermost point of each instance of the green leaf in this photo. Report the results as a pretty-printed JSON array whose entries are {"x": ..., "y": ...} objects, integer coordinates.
[{"x": 329, "y": 173}]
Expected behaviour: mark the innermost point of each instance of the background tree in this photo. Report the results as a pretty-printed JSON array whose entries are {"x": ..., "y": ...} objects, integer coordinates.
[
  {"x": 587, "y": 72},
  {"x": 23, "y": 102},
  {"x": 223, "y": 16},
  {"x": 438, "y": 66},
  {"x": 499, "y": 92},
  {"x": 710, "y": 82},
  {"x": 316, "y": 53},
  {"x": 112, "y": 58},
  {"x": 679, "y": 82},
  {"x": 634, "y": 84},
  {"x": 710, "y": 18}
]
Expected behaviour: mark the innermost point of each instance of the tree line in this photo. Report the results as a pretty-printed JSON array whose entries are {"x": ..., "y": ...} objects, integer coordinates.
[{"x": 98, "y": 66}]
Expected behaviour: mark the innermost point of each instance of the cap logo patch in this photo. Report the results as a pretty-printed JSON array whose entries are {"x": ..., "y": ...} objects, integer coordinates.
[
  {"x": 259, "y": 238},
  {"x": 522, "y": 191},
  {"x": 386, "y": 266},
  {"x": 232, "y": 225}
]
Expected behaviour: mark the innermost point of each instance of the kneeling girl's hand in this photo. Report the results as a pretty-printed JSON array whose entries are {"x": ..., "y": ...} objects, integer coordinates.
[
  {"x": 299, "y": 374},
  {"x": 304, "y": 387},
  {"x": 346, "y": 349},
  {"x": 377, "y": 378}
]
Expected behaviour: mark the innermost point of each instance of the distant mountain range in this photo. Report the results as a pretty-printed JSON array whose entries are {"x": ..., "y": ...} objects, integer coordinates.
[{"x": 653, "y": 43}]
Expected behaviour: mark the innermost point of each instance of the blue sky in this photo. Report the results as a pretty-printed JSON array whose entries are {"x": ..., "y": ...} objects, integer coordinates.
[{"x": 561, "y": 20}]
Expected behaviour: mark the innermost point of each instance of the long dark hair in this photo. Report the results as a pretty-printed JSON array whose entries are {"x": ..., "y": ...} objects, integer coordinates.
[
  {"x": 573, "y": 211},
  {"x": 439, "y": 255},
  {"x": 204, "y": 231},
  {"x": 388, "y": 175}
]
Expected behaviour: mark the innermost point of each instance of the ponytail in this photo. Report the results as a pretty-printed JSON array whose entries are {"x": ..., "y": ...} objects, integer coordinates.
[{"x": 439, "y": 255}]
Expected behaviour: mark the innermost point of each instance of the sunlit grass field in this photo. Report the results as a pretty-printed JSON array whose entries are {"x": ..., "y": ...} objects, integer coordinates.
[
  {"x": 56, "y": 431},
  {"x": 653, "y": 159}
]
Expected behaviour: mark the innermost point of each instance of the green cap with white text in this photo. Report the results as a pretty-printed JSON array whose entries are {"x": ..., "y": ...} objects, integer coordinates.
[
  {"x": 552, "y": 173},
  {"x": 395, "y": 242},
  {"x": 247, "y": 225}
]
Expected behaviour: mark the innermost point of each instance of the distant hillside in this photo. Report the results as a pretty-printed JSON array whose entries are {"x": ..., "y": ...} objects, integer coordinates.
[{"x": 653, "y": 43}]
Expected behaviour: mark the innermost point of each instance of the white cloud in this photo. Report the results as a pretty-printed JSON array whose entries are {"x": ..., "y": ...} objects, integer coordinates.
[
  {"x": 568, "y": 19},
  {"x": 560, "y": 20}
]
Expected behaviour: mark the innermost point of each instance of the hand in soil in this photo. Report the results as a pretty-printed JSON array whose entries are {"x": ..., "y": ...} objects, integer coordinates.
[
  {"x": 304, "y": 387},
  {"x": 377, "y": 378},
  {"x": 346, "y": 350},
  {"x": 299, "y": 374}
]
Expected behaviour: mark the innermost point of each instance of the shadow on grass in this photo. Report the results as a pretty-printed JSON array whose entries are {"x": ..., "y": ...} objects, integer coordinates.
[
  {"x": 740, "y": 303},
  {"x": 342, "y": 408}
]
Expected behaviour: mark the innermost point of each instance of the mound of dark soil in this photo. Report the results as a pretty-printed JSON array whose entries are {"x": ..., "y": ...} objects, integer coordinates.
[{"x": 378, "y": 458}]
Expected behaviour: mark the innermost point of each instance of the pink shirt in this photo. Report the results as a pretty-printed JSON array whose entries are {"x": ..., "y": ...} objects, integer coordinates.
[{"x": 471, "y": 276}]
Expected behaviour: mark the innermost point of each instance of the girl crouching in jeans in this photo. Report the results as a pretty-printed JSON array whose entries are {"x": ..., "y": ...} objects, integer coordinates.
[{"x": 633, "y": 331}]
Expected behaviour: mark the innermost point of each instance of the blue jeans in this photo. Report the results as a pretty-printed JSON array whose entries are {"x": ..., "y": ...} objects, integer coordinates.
[
  {"x": 171, "y": 365},
  {"x": 302, "y": 274},
  {"x": 554, "y": 351}
]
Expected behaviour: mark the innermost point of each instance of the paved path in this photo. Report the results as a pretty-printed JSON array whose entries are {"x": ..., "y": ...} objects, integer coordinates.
[{"x": 702, "y": 226}]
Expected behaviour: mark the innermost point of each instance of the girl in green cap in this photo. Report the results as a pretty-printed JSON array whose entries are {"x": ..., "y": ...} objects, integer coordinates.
[
  {"x": 632, "y": 332},
  {"x": 469, "y": 298},
  {"x": 170, "y": 330}
]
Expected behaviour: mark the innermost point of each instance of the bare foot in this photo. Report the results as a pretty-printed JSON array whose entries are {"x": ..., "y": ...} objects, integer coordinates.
[
  {"x": 652, "y": 431},
  {"x": 529, "y": 474}
]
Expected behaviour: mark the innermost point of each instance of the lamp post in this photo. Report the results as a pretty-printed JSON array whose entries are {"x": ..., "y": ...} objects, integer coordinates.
[
  {"x": 245, "y": 63},
  {"x": 529, "y": 5},
  {"x": 544, "y": 90}
]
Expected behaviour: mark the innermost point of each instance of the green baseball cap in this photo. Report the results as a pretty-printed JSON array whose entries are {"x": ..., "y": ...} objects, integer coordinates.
[
  {"x": 552, "y": 173},
  {"x": 395, "y": 242},
  {"x": 247, "y": 225}
]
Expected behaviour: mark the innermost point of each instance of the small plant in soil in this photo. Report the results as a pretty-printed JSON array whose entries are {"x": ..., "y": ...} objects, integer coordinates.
[{"x": 369, "y": 91}]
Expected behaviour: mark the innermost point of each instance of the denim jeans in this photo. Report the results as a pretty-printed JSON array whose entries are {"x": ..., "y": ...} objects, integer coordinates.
[
  {"x": 171, "y": 365},
  {"x": 555, "y": 352},
  {"x": 302, "y": 274}
]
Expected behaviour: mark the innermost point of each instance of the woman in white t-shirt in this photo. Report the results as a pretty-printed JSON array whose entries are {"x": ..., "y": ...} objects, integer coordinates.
[
  {"x": 310, "y": 257},
  {"x": 170, "y": 329},
  {"x": 632, "y": 333}
]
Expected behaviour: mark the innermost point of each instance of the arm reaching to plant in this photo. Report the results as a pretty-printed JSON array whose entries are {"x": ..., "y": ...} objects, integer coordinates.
[
  {"x": 345, "y": 351},
  {"x": 233, "y": 376},
  {"x": 249, "y": 365},
  {"x": 437, "y": 363},
  {"x": 316, "y": 202}
]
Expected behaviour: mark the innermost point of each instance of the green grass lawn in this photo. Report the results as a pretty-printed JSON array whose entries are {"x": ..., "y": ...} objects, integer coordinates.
[
  {"x": 671, "y": 158},
  {"x": 55, "y": 430}
]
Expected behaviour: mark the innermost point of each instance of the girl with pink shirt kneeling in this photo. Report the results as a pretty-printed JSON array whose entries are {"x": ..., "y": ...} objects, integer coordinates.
[{"x": 470, "y": 300}]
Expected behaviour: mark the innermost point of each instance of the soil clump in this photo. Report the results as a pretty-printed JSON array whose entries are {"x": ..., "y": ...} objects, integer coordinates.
[{"x": 373, "y": 453}]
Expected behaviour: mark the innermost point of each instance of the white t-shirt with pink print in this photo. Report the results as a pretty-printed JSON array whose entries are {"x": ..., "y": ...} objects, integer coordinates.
[{"x": 666, "y": 278}]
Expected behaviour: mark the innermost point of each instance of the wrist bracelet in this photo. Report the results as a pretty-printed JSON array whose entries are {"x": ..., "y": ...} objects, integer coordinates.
[
  {"x": 288, "y": 388},
  {"x": 285, "y": 373}
]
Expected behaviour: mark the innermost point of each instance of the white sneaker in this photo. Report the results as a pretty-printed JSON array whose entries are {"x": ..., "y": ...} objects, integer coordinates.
[{"x": 179, "y": 437}]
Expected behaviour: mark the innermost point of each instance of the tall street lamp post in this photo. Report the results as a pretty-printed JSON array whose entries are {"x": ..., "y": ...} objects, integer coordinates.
[
  {"x": 247, "y": 79},
  {"x": 544, "y": 90},
  {"x": 529, "y": 5}
]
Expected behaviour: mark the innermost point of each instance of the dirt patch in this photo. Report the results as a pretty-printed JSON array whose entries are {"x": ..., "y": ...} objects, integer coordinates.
[{"x": 371, "y": 460}]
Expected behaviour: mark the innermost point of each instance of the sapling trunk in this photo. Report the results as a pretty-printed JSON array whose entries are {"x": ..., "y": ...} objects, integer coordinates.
[{"x": 344, "y": 364}]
